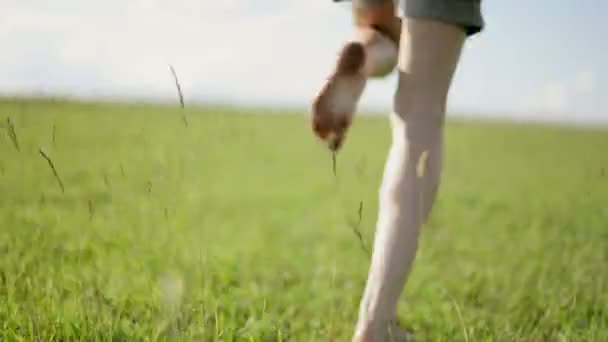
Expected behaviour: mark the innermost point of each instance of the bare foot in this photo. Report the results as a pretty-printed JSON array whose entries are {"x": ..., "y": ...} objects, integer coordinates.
[
  {"x": 334, "y": 106},
  {"x": 371, "y": 54}
]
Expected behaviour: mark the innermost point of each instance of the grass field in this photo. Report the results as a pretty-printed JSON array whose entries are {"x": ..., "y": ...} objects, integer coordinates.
[{"x": 235, "y": 229}]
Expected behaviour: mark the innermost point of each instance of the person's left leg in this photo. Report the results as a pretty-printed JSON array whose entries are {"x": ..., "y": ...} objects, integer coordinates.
[
  {"x": 429, "y": 54},
  {"x": 432, "y": 37}
]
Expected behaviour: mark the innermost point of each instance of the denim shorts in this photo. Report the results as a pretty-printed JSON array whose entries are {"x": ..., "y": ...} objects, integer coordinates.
[{"x": 465, "y": 13}]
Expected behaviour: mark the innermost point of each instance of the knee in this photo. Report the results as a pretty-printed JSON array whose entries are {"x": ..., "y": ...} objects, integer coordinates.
[{"x": 419, "y": 113}]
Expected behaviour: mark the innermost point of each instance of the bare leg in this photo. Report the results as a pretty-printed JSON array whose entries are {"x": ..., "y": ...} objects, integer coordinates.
[{"x": 429, "y": 53}]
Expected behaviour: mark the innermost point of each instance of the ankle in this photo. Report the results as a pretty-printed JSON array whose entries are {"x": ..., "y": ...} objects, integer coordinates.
[
  {"x": 370, "y": 331},
  {"x": 382, "y": 17},
  {"x": 379, "y": 53}
]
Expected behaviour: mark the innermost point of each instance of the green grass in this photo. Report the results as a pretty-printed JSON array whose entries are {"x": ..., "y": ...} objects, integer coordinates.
[{"x": 235, "y": 229}]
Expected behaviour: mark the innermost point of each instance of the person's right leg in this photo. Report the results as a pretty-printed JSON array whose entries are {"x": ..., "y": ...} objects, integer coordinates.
[
  {"x": 429, "y": 54},
  {"x": 371, "y": 53}
]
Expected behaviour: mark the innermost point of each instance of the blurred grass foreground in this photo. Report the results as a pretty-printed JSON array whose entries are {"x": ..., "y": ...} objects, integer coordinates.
[{"x": 235, "y": 228}]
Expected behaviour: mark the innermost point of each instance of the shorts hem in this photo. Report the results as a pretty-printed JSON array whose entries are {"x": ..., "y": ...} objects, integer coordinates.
[{"x": 464, "y": 13}]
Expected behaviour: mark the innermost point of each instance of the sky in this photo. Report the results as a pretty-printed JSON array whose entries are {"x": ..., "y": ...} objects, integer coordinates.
[{"x": 536, "y": 60}]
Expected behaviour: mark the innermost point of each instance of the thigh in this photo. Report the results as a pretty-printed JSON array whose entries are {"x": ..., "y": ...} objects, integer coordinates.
[{"x": 429, "y": 52}]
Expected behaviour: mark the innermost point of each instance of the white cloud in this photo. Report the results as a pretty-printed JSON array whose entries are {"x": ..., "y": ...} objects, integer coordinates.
[
  {"x": 584, "y": 82},
  {"x": 555, "y": 96},
  {"x": 558, "y": 96},
  {"x": 549, "y": 97}
]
